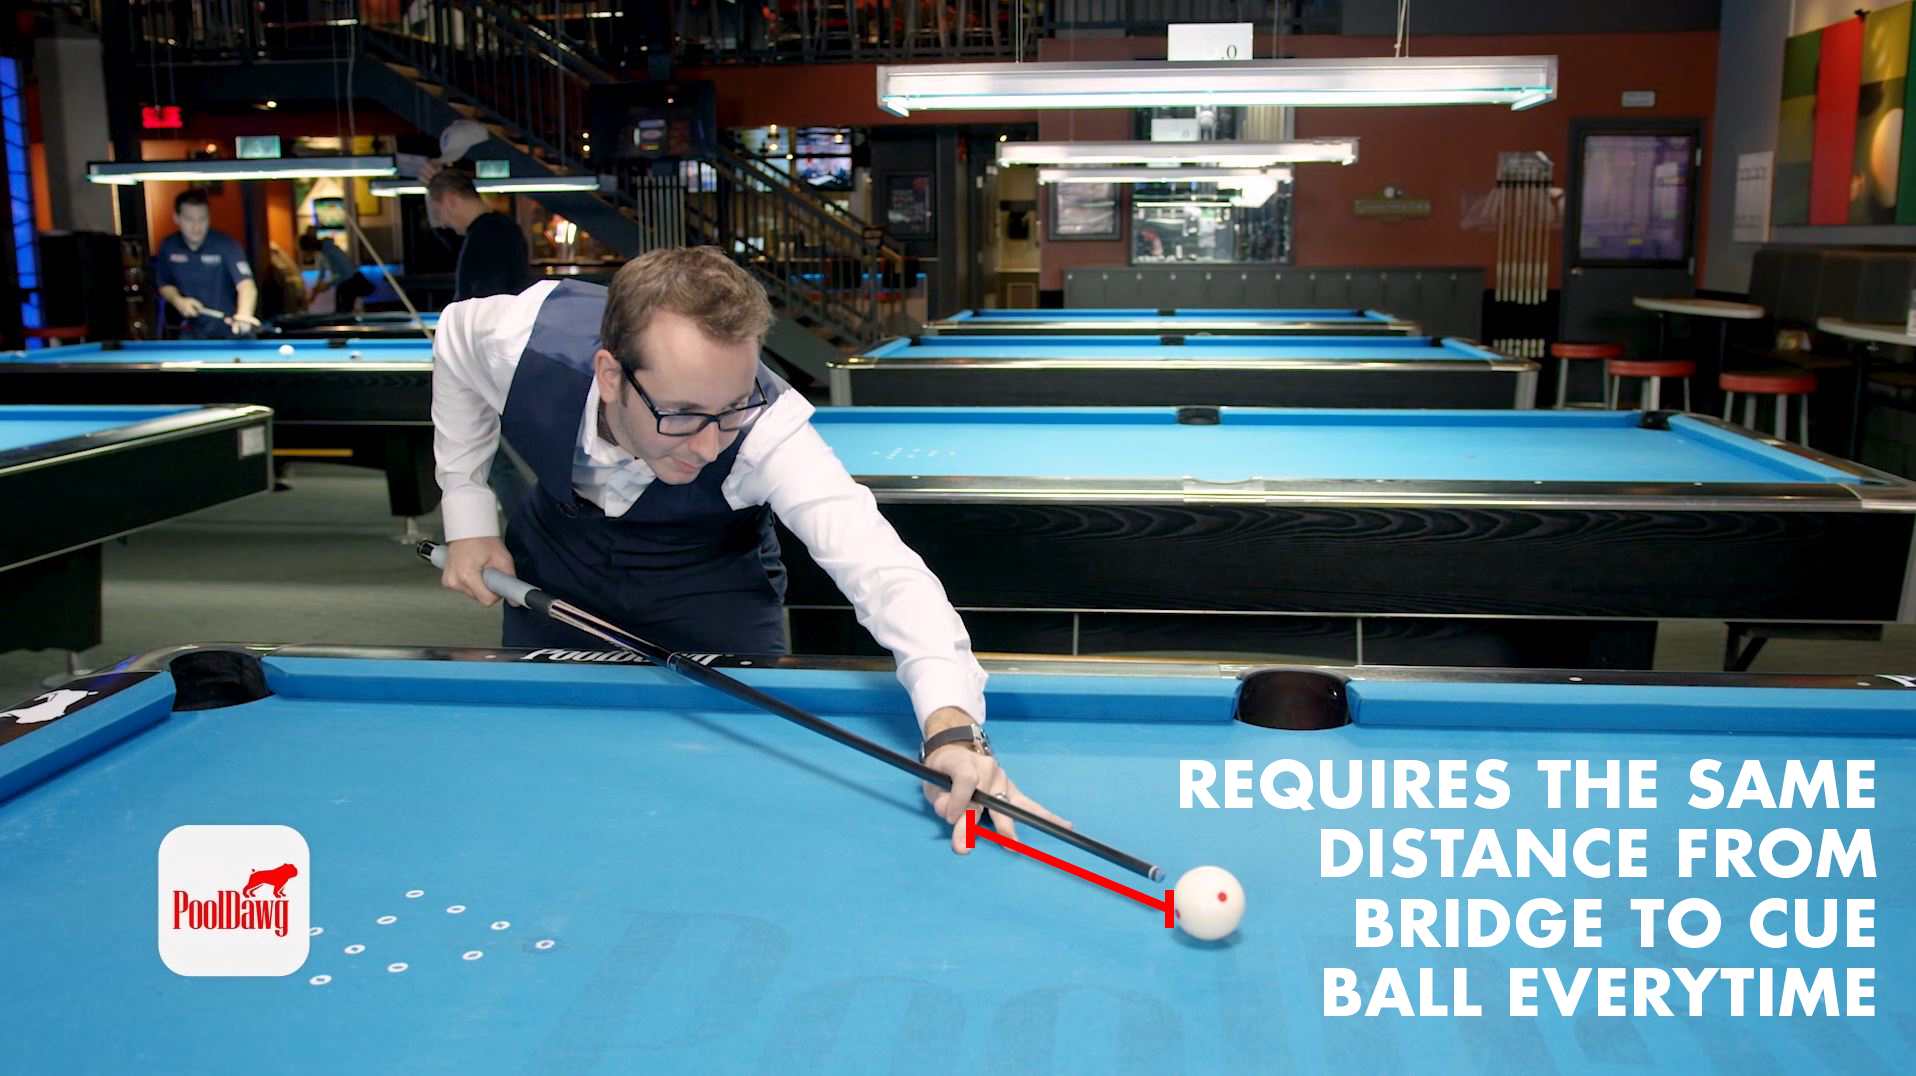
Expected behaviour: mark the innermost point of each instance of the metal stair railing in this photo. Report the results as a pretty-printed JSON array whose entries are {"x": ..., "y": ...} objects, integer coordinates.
[
  {"x": 882, "y": 284},
  {"x": 530, "y": 80},
  {"x": 516, "y": 69},
  {"x": 817, "y": 264},
  {"x": 792, "y": 31},
  {"x": 1149, "y": 17},
  {"x": 825, "y": 31},
  {"x": 500, "y": 64}
]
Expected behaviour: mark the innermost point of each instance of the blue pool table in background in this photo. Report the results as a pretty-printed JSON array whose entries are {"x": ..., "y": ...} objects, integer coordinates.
[
  {"x": 655, "y": 879},
  {"x": 367, "y": 326},
  {"x": 381, "y": 277},
  {"x": 72, "y": 477},
  {"x": 1140, "y": 371},
  {"x": 1254, "y": 321},
  {"x": 366, "y": 402},
  {"x": 1498, "y": 538}
]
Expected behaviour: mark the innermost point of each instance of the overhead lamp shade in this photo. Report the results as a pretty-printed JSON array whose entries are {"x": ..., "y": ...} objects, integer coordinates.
[
  {"x": 128, "y": 173},
  {"x": 1217, "y": 154},
  {"x": 1148, "y": 174},
  {"x": 392, "y": 188},
  {"x": 1517, "y": 81}
]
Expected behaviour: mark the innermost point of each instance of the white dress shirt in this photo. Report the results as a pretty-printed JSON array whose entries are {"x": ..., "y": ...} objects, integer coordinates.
[{"x": 783, "y": 463}]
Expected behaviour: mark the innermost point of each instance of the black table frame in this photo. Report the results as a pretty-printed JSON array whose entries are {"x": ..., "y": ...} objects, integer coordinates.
[
  {"x": 1565, "y": 575},
  {"x": 1283, "y": 380},
  {"x": 378, "y": 412},
  {"x": 370, "y": 326},
  {"x": 1043, "y": 323},
  {"x": 66, "y": 497}
]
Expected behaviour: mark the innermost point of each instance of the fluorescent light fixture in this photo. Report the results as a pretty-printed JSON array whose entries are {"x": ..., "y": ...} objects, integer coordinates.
[
  {"x": 1218, "y": 154},
  {"x": 1148, "y": 174},
  {"x": 1517, "y": 81},
  {"x": 130, "y": 173},
  {"x": 393, "y": 188}
]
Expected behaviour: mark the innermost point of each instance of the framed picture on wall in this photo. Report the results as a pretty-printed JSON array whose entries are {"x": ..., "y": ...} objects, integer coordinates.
[
  {"x": 1084, "y": 211},
  {"x": 908, "y": 205}
]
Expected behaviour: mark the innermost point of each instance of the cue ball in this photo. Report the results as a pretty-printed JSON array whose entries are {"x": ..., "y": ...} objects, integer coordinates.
[
  {"x": 285, "y": 349},
  {"x": 353, "y": 355},
  {"x": 1209, "y": 903}
]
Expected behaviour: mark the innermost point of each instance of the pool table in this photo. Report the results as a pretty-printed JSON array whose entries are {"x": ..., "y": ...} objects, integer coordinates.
[
  {"x": 552, "y": 862},
  {"x": 1247, "y": 321},
  {"x": 1500, "y": 538},
  {"x": 362, "y": 402},
  {"x": 1137, "y": 371},
  {"x": 368, "y": 326},
  {"x": 72, "y": 477}
]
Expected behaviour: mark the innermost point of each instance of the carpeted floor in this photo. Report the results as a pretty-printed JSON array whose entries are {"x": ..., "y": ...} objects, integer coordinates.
[{"x": 320, "y": 563}]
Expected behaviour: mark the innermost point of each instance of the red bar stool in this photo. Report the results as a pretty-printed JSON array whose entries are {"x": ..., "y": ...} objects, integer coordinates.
[
  {"x": 1781, "y": 386},
  {"x": 1567, "y": 353},
  {"x": 1650, "y": 397}
]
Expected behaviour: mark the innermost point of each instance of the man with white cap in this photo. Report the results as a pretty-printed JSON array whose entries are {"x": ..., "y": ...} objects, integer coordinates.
[{"x": 493, "y": 259}]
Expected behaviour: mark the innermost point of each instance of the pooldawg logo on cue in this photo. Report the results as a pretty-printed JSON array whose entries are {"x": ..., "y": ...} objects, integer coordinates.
[{"x": 224, "y": 910}]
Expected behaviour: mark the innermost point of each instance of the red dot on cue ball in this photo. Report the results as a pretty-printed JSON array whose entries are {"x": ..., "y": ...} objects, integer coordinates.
[{"x": 1222, "y": 899}]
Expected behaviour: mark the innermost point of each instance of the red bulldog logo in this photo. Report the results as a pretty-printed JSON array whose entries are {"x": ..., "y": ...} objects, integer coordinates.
[{"x": 237, "y": 909}]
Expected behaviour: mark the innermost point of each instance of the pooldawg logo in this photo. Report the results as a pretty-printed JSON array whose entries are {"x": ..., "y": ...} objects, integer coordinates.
[
  {"x": 233, "y": 909},
  {"x": 211, "y": 923}
]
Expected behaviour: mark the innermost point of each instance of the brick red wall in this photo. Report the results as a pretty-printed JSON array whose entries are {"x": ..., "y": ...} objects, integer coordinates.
[{"x": 1445, "y": 154}]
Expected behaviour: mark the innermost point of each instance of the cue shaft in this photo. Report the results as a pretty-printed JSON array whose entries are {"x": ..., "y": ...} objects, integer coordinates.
[{"x": 525, "y": 594}]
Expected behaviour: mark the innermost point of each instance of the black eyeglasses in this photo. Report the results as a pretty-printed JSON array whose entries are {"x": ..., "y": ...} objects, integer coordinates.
[{"x": 687, "y": 423}]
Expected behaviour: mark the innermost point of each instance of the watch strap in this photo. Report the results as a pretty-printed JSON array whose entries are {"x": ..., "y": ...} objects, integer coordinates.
[{"x": 970, "y": 735}]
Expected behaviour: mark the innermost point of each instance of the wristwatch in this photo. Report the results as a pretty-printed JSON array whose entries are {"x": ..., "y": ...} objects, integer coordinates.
[{"x": 972, "y": 736}]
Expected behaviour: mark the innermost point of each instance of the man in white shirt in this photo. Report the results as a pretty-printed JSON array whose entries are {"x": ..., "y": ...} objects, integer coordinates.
[{"x": 658, "y": 460}]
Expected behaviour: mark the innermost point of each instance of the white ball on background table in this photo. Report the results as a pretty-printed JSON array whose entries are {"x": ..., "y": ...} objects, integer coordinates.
[
  {"x": 1209, "y": 903},
  {"x": 354, "y": 355},
  {"x": 285, "y": 349}
]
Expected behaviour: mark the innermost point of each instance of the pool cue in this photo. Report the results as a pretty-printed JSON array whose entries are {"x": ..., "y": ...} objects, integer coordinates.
[
  {"x": 404, "y": 299},
  {"x": 519, "y": 592},
  {"x": 208, "y": 312}
]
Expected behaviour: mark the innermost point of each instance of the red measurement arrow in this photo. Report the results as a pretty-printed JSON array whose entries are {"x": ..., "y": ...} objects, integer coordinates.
[{"x": 972, "y": 832}]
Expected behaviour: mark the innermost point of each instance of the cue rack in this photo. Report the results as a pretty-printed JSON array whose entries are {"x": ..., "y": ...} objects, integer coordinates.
[{"x": 1524, "y": 208}]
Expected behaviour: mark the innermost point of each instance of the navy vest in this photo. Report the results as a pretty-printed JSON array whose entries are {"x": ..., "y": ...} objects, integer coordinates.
[{"x": 680, "y": 568}]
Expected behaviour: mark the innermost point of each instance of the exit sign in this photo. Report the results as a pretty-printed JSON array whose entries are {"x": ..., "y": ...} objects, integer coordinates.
[{"x": 161, "y": 118}]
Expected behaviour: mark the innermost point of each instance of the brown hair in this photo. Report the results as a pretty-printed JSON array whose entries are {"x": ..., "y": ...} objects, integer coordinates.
[
  {"x": 451, "y": 181},
  {"x": 699, "y": 283}
]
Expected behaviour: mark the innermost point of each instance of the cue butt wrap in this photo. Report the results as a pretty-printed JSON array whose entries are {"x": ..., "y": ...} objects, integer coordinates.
[{"x": 511, "y": 588}]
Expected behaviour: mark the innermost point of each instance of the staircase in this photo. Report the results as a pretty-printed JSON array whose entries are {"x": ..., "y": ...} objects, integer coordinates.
[
  {"x": 821, "y": 266},
  {"x": 492, "y": 62},
  {"x": 487, "y": 62}
]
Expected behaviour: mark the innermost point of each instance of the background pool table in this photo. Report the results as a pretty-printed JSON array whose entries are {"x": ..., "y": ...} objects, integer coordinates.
[
  {"x": 1528, "y": 538},
  {"x": 1255, "y": 321},
  {"x": 368, "y": 326},
  {"x": 684, "y": 885},
  {"x": 363, "y": 402},
  {"x": 73, "y": 477},
  {"x": 1140, "y": 371}
]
